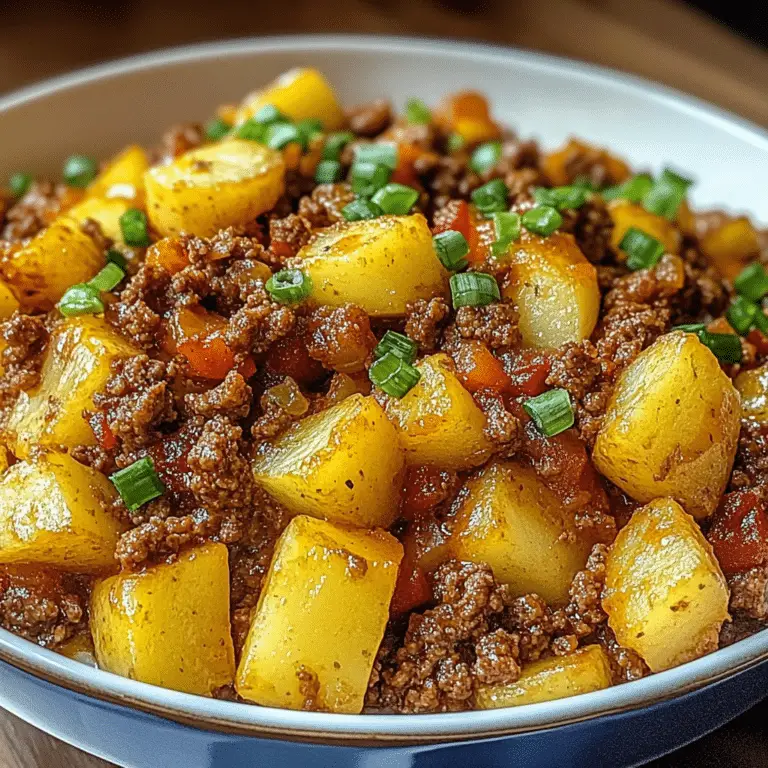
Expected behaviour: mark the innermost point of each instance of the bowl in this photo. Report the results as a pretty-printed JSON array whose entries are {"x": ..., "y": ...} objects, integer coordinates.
[{"x": 98, "y": 110}]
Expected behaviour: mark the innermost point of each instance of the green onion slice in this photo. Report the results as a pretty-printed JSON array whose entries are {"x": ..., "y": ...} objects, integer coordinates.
[
  {"x": 308, "y": 129},
  {"x": 138, "y": 483},
  {"x": 360, "y": 209},
  {"x": 279, "y": 135},
  {"x": 491, "y": 197},
  {"x": 761, "y": 321},
  {"x": 289, "y": 286},
  {"x": 382, "y": 153},
  {"x": 108, "y": 278},
  {"x": 396, "y": 199},
  {"x": 741, "y": 315},
  {"x": 394, "y": 343},
  {"x": 542, "y": 220},
  {"x": 335, "y": 142},
  {"x": 270, "y": 114},
  {"x": 252, "y": 130},
  {"x": 551, "y": 412},
  {"x": 643, "y": 251},
  {"x": 394, "y": 375},
  {"x": 81, "y": 299},
  {"x": 328, "y": 171},
  {"x": 666, "y": 194},
  {"x": 485, "y": 156},
  {"x": 561, "y": 198},
  {"x": 135, "y": 228},
  {"x": 217, "y": 129},
  {"x": 369, "y": 178},
  {"x": 752, "y": 282},
  {"x": 507, "y": 226},
  {"x": 80, "y": 171},
  {"x": 634, "y": 189},
  {"x": 473, "y": 289},
  {"x": 454, "y": 143},
  {"x": 726, "y": 347},
  {"x": 417, "y": 112},
  {"x": 115, "y": 257},
  {"x": 19, "y": 183},
  {"x": 451, "y": 248}
]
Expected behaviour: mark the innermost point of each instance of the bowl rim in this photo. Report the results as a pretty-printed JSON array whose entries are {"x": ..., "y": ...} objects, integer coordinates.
[{"x": 381, "y": 729}]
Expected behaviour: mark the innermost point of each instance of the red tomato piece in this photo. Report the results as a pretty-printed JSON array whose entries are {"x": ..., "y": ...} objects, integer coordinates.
[
  {"x": 479, "y": 369},
  {"x": 739, "y": 532},
  {"x": 528, "y": 371},
  {"x": 411, "y": 590}
]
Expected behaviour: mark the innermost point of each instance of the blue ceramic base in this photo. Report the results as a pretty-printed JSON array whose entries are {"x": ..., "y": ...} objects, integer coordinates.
[{"x": 137, "y": 740}]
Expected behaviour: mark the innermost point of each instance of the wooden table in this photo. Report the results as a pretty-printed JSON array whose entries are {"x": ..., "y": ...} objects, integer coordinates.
[{"x": 659, "y": 39}]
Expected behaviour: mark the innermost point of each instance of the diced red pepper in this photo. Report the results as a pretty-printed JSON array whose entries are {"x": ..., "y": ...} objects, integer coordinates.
[
  {"x": 425, "y": 487},
  {"x": 739, "y": 532},
  {"x": 405, "y": 173},
  {"x": 411, "y": 590},
  {"x": 289, "y": 356},
  {"x": 209, "y": 358},
  {"x": 479, "y": 369},
  {"x": 105, "y": 437},
  {"x": 759, "y": 340},
  {"x": 169, "y": 456},
  {"x": 528, "y": 371},
  {"x": 456, "y": 215}
]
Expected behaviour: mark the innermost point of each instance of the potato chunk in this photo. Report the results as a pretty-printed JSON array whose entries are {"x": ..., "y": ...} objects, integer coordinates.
[
  {"x": 554, "y": 288},
  {"x": 169, "y": 624},
  {"x": 106, "y": 212},
  {"x": 587, "y": 669},
  {"x": 77, "y": 364},
  {"x": 342, "y": 464},
  {"x": 665, "y": 594},
  {"x": 438, "y": 421},
  {"x": 731, "y": 246},
  {"x": 44, "y": 267},
  {"x": 299, "y": 94},
  {"x": 626, "y": 215},
  {"x": 320, "y": 618},
  {"x": 671, "y": 426},
  {"x": 55, "y": 511},
  {"x": 214, "y": 187},
  {"x": 752, "y": 385},
  {"x": 380, "y": 264},
  {"x": 8, "y": 301},
  {"x": 512, "y": 521},
  {"x": 123, "y": 176}
]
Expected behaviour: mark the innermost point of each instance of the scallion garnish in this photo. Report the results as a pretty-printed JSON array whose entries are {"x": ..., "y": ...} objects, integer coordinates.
[
  {"x": 217, "y": 129},
  {"x": 361, "y": 209},
  {"x": 328, "y": 171},
  {"x": 741, "y": 315},
  {"x": 666, "y": 194},
  {"x": 417, "y": 112},
  {"x": 761, "y": 321},
  {"x": 551, "y": 412},
  {"x": 138, "y": 483},
  {"x": 115, "y": 257},
  {"x": 80, "y": 171},
  {"x": 335, "y": 142},
  {"x": 394, "y": 343},
  {"x": 643, "y": 251},
  {"x": 289, "y": 286},
  {"x": 81, "y": 299},
  {"x": 369, "y": 178},
  {"x": 251, "y": 130},
  {"x": 134, "y": 228},
  {"x": 394, "y": 375},
  {"x": 726, "y": 347},
  {"x": 752, "y": 282},
  {"x": 454, "y": 143},
  {"x": 107, "y": 278},
  {"x": 270, "y": 114},
  {"x": 308, "y": 129},
  {"x": 451, "y": 248},
  {"x": 485, "y": 156},
  {"x": 634, "y": 189},
  {"x": 19, "y": 183},
  {"x": 279, "y": 135},
  {"x": 507, "y": 228},
  {"x": 561, "y": 198},
  {"x": 377, "y": 154},
  {"x": 473, "y": 289},
  {"x": 491, "y": 197},
  {"x": 542, "y": 220},
  {"x": 396, "y": 199}
]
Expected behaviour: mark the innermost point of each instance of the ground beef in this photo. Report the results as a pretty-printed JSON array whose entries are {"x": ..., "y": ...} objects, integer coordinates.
[
  {"x": 93, "y": 229},
  {"x": 324, "y": 205},
  {"x": 751, "y": 464},
  {"x": 258, "y": 324},
  {"x": 626, "y": 665},
  {"x": 575, "y": 367},
  {"x": 591, "y": 226},
  {"x": 451, "y": 178},
  {"x": 25, "y": 337},
  {"x": 495, "y": 324},
  {"x": 232, "y": 398},
  {"x": 370, "y": 119},
  {"x": 502, "y": 428},
  {"x": 287, "y": 237},
  {"x": 160, "y": 538},
  {"x": 179, "y": 139},
  {"x": 749, "y": 593},
  {"x": 33, "y": 211},
  {"x": 424, "y": 319},
  {"x": 340, "y": 337}
]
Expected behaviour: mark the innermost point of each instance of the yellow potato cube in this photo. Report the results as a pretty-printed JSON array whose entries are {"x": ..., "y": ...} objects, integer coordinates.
[
  {"x": 752, "y": 385},
  {"x": 216, "y": 186},
  {"x": 8, "y": 301},
  {"x": 512, "y": 521},
  {"x": 320, "y": 618},
  {"x": 168, "y": 625},
  {"x": 105, "y": 212},
  {"x": 343, "y": 464},
  {"x": 55, "y": 511},
  {"x": 665, "y": 594},
  {"x": 299, "y": 94},
  {"x": 77, "y": 364},
  {"x": 379, "y": 264},
  {"x": 583, "y": 671},
  {"x": 554, "y": 288},
  {"x": 731, "y": 246},
  {"x": 626, "y": 215},
  {"x": 123, "y": 177}
]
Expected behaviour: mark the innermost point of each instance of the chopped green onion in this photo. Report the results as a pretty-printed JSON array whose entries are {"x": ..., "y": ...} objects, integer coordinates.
[
  {"x": 396, "y": 199},
  {"x": 473, "y": 289},
  {"x": 417, "y": 112},
  {"x": 491, "y": 197},
  {"x": 451, "y": 248},
  {"x": 138, "y": 483},
  {"x": 485, "y": 156},
  {"x": 81, "y": 299},
  {"x": 507, "y": 226},
  {"x": 19, "y": 183},
  {"x": 134, "y": 228},
  {"x": 752, "y": 282},
  {"x": 252, "y": 131},
  {"x": 377, "y": 154},
  {"x": 270, "y": 114},
  {"x": 454, "y": 143},
  {"x": 634, "y": 189},
  {"x": 80, "y": 171},
  {"x": 394, "y": 375},
  {"x": 335, "y": 142},
  {"x": 643, "y": 251},
  {"x": 551, "y": 412},
  {"x": 360, "y": 209},
  {"x": 368, "y": 178},
  {"x": 328, "y": 171},
  {"x": 279, "y": 135},
  {"x": 308, "y": 129},
  {"x": 761, "y": 321},
  {"x": 561, "y": 197},
  {"x": 107, "y": 278},
  {"x": 586, "y": 183},
  {"x": 741, "y": 315},
  {"x": 115, "y": 257},
  {"x": 695, "y": 328},
  {"x": 394, "y": 343},
  {"x": 543, "y": 220},
  {"x": 666, "y": 194},
  {"x": 726, "y": 347},
  {"x": 217, "y": 129},
  {"x": 289, "y": 286}
]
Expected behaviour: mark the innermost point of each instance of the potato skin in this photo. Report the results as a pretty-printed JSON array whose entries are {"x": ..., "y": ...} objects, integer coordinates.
[
  {"x": 168, "y": 625},
  {"x": 343, "y": 464},
  {"x": 214, "y": 187},
  {"x": 381, "y": 264},
  {"x": 322, "y": 610},
  {"x": 554, "y": 288},
  {"x": 672, "y": 426},
  {"x": 626, "y": 215},
  {"x": 665, "y": 594}
]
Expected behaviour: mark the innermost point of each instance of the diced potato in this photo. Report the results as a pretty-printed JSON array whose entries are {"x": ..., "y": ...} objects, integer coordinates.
[
  {"x": 77, "y": 364},
  {"x": 123, "y": 176},
  {"x": 106, "y": 212},
  {"x": 554, "y": 288},
  {"x": 559, "y": 165},
  {"x": 79, "y": 648},
  {"x": 752, "y": 385},
  {"x": 169, "y": 624},
  {"x": 214, "y": 187},
  {"x": 379, "y": 264},
  {"x": 671, "y": 426},
  {"x": 43, "y": 268},
  {"x": 5, "y": 459},
  {"x": 8, "y": 301},
  {"x": 438, "y": 421},
  {"x": 299, "y": 94},
  {"x": 321, "y": 616},
  {"x": 665, "y": 594},
  {"x": 731, "y": 246},
  {"x": 55, "y": 511},
  {"x": 587, "y": 669},
  {"x": 512, "y": 521},
  {"x": 626, "y": 215},
  {"x": 343, "y": 464}
]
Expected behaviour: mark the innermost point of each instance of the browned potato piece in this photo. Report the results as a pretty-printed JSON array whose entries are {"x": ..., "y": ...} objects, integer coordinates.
[
  {"x": 752, "y": 385},
  {"x": 627, "y": 215},
  {"x": 731, "y": 246}
]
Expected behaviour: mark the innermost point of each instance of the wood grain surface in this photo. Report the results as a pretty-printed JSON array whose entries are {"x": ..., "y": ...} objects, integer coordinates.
[{"x": 659, "y": 39}]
